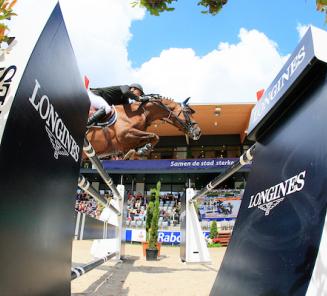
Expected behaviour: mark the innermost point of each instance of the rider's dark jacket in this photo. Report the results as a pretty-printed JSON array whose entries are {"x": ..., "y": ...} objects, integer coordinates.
[{"x": 115, "y": 95}]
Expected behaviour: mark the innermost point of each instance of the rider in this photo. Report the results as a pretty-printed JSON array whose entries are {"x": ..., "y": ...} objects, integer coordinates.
[{"x": 102, "y": 98}]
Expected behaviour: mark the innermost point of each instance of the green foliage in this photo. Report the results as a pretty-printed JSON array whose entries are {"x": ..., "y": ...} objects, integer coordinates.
[
  {"x": 149, "y": 214},
  {"x": 154, "y": 226},
  {"x": 153, "y": 192},
  {"x": 214, "y": 245},
  {"x": 321, "y": 2},
  {"x": 153, "y": 231},
  {"x": 6, "y": 12},
  {"x": 213, "y": 230},
  {"x": 155, "y": 7},
  {"x": 212, "y": 6},
  {"x": 321, "y": 5}
]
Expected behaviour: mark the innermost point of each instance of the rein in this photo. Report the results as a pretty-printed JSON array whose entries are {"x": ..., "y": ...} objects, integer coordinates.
[{"x": 185, "y": 125}]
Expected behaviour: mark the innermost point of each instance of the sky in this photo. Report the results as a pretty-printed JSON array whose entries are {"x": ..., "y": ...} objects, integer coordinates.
[{"x": 218, "y": 59}]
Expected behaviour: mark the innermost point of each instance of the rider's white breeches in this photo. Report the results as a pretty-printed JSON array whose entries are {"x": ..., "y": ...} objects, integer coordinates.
[{"x": 98, "y": 102}]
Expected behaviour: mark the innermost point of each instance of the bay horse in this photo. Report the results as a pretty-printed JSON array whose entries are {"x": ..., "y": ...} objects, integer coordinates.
[{"x": 128, "y": 137}]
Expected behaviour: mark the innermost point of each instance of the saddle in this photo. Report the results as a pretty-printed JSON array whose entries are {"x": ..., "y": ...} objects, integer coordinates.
[{"x": 107, "y": 120}]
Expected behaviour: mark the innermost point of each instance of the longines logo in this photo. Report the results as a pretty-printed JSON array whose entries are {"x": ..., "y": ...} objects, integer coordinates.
[
  {"x": 264, "y": 103},
  {"x": 6, "y": 76},
  {"x": 267, "y": 199},
  {"x": 62, "y": 142}
]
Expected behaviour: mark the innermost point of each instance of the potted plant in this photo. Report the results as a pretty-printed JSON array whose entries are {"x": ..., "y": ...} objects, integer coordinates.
[
  {"x": 213, "y": 230},
  {"x": 214, "y": 241},
  {"x": 152, "y": 237},
  {"x": 149, "y": 213}
]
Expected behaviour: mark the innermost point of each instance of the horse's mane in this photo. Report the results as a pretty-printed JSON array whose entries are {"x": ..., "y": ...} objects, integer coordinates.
[{"x": 168, "y": 101}]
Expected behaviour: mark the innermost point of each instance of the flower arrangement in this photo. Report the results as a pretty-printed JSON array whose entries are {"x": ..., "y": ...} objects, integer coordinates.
[
  {"x": 6, "y": 12},
  {"x": 213, "y": 243}
]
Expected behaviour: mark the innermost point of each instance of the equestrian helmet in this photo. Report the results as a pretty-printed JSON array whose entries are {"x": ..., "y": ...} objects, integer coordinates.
[{"x": 138, "y": 86}]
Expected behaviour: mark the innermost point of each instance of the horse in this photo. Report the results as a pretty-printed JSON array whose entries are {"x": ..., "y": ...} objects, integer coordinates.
[{"x": 127, "y": 138}]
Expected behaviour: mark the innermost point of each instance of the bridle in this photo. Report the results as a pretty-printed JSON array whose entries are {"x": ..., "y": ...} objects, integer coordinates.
[{"x": 187, "y": 125}]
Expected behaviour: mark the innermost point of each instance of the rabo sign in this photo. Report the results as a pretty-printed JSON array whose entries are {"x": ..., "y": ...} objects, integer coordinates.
[{"x": 173, "y": 237}]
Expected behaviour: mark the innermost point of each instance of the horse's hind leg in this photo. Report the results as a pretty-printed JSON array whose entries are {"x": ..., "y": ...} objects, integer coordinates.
[
  {"x": 148, "y": 147},
  {"x": 148, "y": 140},
  {"x": 130, "y": 154},
  {"x": 144, "y": 150}
]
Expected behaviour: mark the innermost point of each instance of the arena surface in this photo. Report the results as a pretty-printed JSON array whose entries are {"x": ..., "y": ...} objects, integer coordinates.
[{"x": 136, "y": 276}]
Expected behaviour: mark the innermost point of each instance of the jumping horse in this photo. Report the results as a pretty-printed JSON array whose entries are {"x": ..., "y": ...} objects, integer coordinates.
[{"x": 128, "y": 138}]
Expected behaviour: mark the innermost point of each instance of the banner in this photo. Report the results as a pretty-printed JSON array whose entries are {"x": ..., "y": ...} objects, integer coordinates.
[
  {"x": 220, "y": 208},
  {"x": 220, "y": 205},
  {"x": 165, "y": 237},
  {"x": 43, "y": 113},
  {"x": 169, "y": 164},
  {"x": 138, "y": 235}
]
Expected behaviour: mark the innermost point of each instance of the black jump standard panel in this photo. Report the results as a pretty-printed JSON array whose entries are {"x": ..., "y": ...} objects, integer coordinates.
[
  {"x": 39, "y": 166},
  {"x": 277, "y": 235}
]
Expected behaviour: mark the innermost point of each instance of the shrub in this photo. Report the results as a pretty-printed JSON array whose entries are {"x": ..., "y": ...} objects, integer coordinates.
[
  {"x": 153, "y": 232},
  {"x": 149, "y": 214},
  {"x": 214, "y": 245},
  {"x": 213, "y": 230}
]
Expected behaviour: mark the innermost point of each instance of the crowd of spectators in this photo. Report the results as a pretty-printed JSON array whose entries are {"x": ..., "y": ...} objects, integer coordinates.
[
  {"x": 169, "y": 207},
  {"x": 87, "y": 205}
]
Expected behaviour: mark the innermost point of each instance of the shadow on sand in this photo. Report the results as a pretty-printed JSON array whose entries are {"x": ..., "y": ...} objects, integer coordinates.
[{"x": 112, "y": 282}]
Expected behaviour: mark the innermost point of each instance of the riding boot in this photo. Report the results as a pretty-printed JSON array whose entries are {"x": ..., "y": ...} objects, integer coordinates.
[{"x": 98, "y": 115}]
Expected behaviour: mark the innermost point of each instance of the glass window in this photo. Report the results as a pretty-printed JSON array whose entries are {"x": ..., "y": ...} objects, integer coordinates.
[
  {"x": 180, "y": 153},
  {"x": 233, "y": 151},
  {"x": 183, "y": 152}
]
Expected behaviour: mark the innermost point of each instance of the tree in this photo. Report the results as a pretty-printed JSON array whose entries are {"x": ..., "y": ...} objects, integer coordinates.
[
  {"x": 213, "y": 230},
  {"x": 153, "y": 236},
  {"x": 149, "y": 214},
  {"x": 153, "y": 232},
  {"x": 155, "y": 7}
]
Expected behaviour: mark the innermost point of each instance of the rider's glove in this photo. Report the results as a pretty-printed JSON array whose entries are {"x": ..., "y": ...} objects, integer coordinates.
[{"x": 143, "y": 99}]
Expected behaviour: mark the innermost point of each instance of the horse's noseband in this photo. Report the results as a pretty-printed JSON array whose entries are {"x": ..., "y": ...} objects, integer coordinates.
[{"x": 187, "y": 125}]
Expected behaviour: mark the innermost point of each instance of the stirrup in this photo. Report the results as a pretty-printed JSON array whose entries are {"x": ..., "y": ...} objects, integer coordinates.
[{"x": 96, "y": 117}]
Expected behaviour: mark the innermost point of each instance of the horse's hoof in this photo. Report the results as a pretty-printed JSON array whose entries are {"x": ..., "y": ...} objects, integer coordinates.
[
  {"x": 148, "y": 147},
  {"x": 145, "y": 150}
]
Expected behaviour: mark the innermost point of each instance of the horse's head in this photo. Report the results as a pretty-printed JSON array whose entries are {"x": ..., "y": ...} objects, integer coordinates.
[{"x": 181, "y": 116}]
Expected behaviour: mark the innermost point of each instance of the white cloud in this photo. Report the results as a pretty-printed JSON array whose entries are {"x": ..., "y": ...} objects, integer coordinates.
[
  {"x": 230, "y": 73},
  {"x": 100, "y": 33},
  {"x": 301, "y": 29}
]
